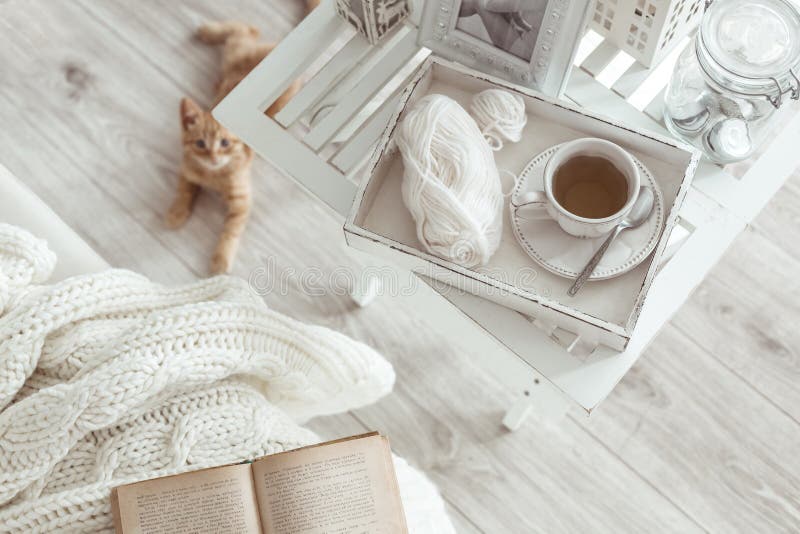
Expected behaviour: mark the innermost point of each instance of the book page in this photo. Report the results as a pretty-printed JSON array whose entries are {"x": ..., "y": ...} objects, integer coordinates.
[
  {"x": 220, "y": 499},
  {"x": 338, "y": 487}
]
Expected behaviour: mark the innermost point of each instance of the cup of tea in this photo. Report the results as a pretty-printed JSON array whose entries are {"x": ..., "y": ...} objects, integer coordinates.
[{"x": 590, "y": 185}]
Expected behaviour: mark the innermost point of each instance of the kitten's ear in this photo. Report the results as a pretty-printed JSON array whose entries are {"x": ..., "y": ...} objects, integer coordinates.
[{"x": 190, "y": 112}]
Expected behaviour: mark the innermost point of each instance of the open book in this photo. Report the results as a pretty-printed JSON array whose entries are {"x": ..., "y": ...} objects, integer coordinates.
[{"x": 347, "y": 485}]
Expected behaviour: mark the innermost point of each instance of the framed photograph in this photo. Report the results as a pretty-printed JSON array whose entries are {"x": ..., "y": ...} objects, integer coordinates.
[{"x": 527, "y": 42}]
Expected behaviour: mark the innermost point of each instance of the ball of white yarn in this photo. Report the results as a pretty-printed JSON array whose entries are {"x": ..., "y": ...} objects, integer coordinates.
[
  {"x": 500, "y": 115},
  {"x": 451, "y": 184}
]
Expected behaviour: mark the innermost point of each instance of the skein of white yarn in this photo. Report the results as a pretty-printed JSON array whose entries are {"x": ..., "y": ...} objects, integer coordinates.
[
  {"x": 500, "y": 115},
  {"x": 451, "y": 184}
]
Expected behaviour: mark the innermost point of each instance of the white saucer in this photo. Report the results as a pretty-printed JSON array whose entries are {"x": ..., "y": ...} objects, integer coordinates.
[{"x": 566, "y": 255}]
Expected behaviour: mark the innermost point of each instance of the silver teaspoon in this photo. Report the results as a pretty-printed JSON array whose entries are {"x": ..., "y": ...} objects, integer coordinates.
[{"x": 640, "y": 212}]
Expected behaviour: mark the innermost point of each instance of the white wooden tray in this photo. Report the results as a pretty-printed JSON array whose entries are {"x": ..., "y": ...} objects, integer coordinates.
[
  {"x": 350, "y": 93},
  {"x": 604, "y": 312}
]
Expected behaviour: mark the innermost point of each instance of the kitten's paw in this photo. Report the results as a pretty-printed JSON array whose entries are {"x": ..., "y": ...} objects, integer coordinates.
[
  {"x": 215, "y": 33},
  {"x": 221, "y": 263},
  {"x": 211, "y": 33},
  {"x": 177, "y": 216}
]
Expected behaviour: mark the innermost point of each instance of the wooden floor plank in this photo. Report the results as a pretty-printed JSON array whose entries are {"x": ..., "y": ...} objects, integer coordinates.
[
  {"x": 538, "y": 479},
  {"x": 106, "y": 132},
  {"x": 709, "y": 443},
  {"x": 461, "y": 523},
  {"x": 740, "y": 316},
  {"x": 31, "y": 151},
  {"x": 155, "y": 55}
]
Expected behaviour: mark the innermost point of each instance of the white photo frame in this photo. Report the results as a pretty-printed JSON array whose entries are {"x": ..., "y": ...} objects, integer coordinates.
[{"x": 457, "y": 30}]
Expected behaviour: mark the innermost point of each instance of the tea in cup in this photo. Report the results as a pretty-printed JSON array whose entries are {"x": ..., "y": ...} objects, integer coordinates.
[{"x": 590, "y": 185}]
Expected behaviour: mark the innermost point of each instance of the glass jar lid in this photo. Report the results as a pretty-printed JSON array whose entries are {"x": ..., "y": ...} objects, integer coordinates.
[{"x": 752, "y": 46}]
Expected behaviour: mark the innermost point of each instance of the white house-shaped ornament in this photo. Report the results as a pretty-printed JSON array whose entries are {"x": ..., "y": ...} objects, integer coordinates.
[
  {"x": 646, "y": 29},
  {"x": 374, "y": 19}
]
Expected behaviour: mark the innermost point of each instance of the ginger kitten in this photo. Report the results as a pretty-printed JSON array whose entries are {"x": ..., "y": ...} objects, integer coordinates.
[{"x": 214, "y": 158}]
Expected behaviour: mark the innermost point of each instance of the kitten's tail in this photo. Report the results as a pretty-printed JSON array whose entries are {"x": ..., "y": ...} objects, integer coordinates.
[{"x": 216, "y": 33}]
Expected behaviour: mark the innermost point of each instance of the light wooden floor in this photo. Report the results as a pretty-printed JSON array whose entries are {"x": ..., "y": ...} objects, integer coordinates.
[{"x": 703, "y": 435}]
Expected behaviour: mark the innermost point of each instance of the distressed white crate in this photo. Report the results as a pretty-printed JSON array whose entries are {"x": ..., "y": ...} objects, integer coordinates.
[
  {"x": 646, "y": 29},
  {"x": 603, "y": 312},
  {"x": 358, "y": 88}
]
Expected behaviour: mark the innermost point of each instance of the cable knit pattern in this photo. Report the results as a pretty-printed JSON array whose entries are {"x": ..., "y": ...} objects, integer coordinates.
[
  {"x": 23, "y": 259},
  {"x": 184, "y": 347},
  {"x": 109, "y": 378}
]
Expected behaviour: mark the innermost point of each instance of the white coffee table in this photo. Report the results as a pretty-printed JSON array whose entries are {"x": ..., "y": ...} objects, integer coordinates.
[{"x": 324, "y": 137}]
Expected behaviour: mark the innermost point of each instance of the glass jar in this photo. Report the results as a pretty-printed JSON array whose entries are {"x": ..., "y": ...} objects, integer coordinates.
[{"x": 728, "y": 85}]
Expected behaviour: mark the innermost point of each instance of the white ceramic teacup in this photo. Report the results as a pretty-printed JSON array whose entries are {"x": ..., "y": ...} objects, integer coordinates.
[{"x": 542, "y": 204}]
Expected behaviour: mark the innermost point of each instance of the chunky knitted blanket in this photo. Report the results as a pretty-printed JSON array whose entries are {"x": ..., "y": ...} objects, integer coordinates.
[{"x": 110, "y": 378}]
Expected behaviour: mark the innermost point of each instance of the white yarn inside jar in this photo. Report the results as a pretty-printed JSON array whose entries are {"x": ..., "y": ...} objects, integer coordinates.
[{"x": 451, "y": 184}]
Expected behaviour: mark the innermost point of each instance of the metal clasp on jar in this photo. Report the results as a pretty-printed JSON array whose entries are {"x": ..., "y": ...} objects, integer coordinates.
[{"x": 777, "y": 101}]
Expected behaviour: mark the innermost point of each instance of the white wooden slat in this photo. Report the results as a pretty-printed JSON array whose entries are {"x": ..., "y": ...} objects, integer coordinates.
[
  {"x": 589, "y": 93},
  {"x": 698, "y": 208},
  {"x": 287, "y": 62},
  {"x": 348, "y": 107},
  {"x": 748, "y": 195},
  {"x": 357, "y": 149},
  {"x": 642, "y": 90},
  {"x": 318, "y": 86},
  {"x": 631, "y": 80},
  {"x": 680, "y": 234},
  {"x": 659, "y": 77},
  {"x": 655, "y": 109},
  {"x": 600, "y": 58},
  {"x": 356, "y": 73},
  {"x": 589, "y": 42},
  {"x": 615, "y": 69},
  {"x": 698, "y": 211},
  {"x": 399, "y": 81}
]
